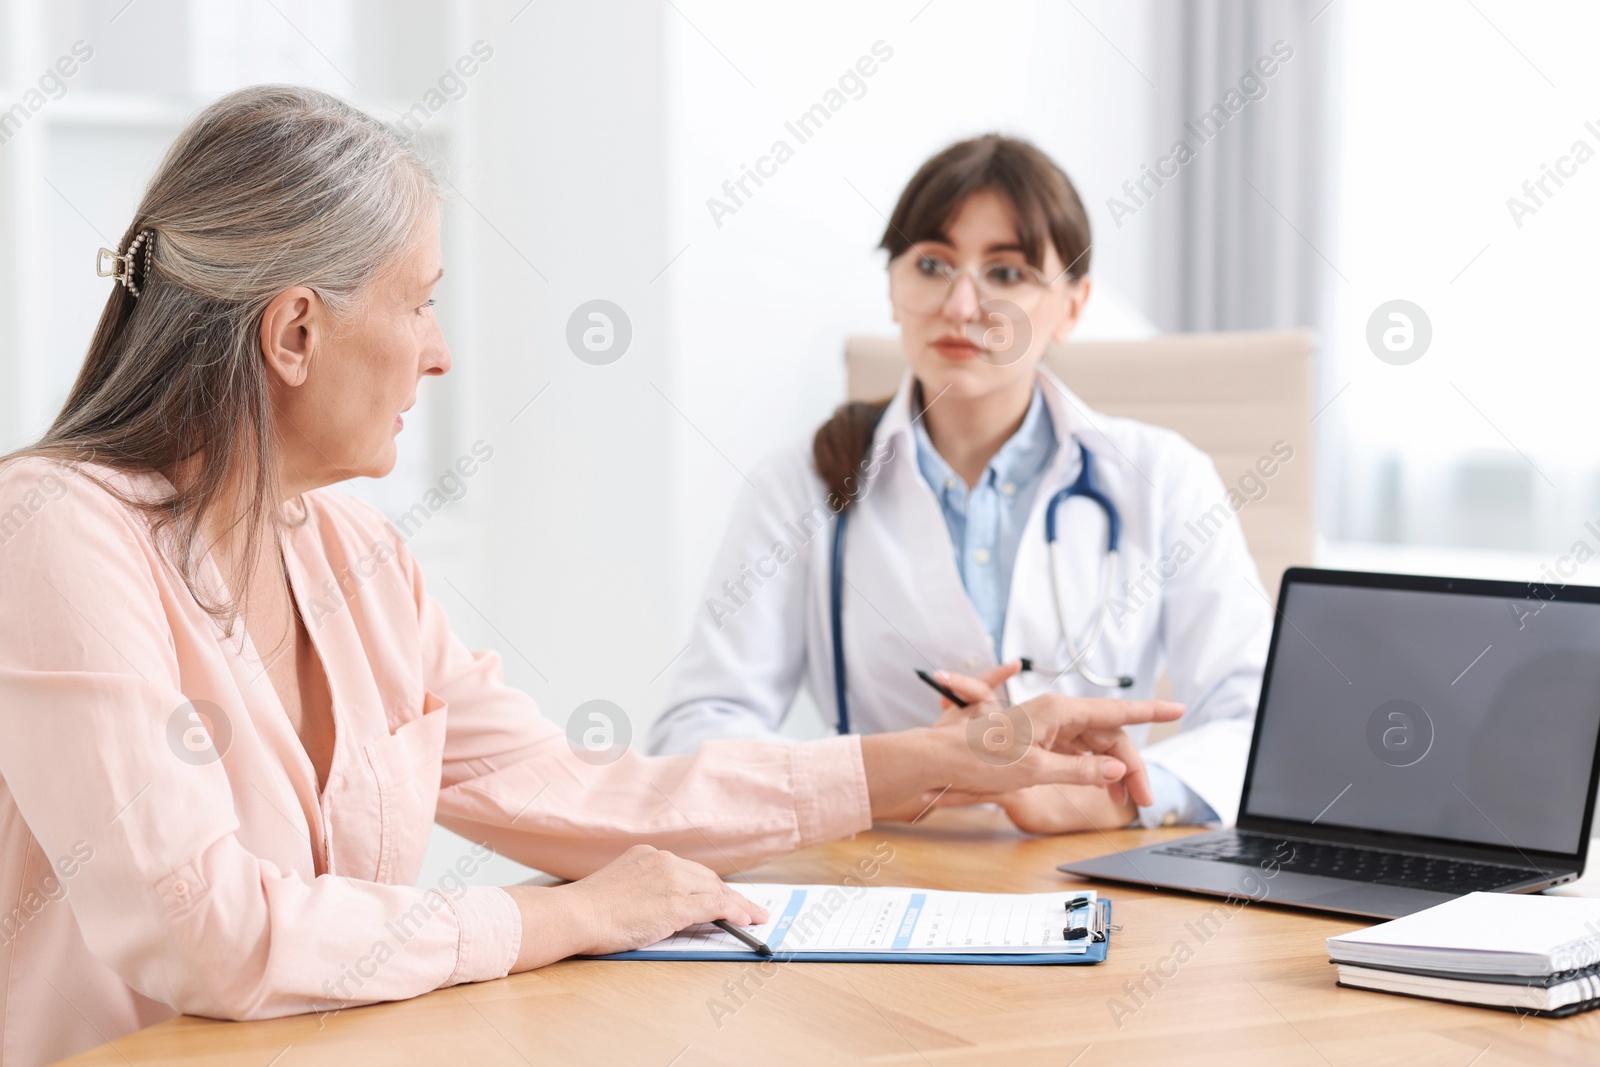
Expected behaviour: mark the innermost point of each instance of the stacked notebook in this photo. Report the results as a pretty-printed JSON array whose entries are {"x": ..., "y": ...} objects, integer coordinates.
[{"x": 1529, "y": 954}]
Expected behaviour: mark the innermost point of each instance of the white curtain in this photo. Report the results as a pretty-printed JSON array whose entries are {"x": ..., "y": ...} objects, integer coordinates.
[{"x": 1242, "y": 226}]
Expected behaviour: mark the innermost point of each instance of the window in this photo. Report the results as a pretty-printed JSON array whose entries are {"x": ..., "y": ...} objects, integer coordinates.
[{"x": 1470, "y": 187}]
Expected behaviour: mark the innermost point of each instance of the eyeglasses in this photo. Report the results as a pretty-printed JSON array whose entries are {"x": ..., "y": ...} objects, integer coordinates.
[{"x": 921, "y": 278}]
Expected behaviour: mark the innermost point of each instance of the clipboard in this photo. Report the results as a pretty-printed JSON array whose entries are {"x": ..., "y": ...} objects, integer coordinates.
[{"x": 1095, "y": 952}]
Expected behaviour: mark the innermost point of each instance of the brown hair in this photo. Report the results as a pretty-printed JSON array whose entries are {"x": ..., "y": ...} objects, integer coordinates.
[
  {"x": 1046, "y": 210},
  {"x": 268, "y": 188},
  {"x": 840, "y": 446}
]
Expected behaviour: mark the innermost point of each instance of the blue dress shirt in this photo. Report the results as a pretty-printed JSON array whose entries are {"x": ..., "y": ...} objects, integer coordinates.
[{"x": 986, "y": 523}]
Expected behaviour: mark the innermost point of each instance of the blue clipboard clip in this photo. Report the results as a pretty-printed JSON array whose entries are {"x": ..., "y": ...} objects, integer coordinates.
[{"x": 1095, "y": 924}]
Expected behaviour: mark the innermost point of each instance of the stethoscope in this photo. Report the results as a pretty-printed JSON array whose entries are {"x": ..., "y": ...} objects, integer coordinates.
[{"x": 1085, "y": 486}]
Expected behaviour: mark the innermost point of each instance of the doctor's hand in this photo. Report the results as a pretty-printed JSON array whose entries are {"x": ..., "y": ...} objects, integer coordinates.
[
  {"x": 977, "y": 692},
  {"x": 974, "y": 691},
  {"x": 1055, "y": 809},
  {"x": 1047, "y": 741}
]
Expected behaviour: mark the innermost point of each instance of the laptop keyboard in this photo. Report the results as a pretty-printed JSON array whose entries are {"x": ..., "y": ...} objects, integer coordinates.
[{"x": 1374, "y": 866}]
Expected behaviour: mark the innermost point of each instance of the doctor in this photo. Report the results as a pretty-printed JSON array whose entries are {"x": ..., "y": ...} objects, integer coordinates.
[{"x": 985, "y": 524}]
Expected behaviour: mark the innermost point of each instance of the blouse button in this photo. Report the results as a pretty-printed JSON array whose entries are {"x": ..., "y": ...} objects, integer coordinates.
[
  {"x": 181, "y": 888},
  {"x": 981, "y": 556}
]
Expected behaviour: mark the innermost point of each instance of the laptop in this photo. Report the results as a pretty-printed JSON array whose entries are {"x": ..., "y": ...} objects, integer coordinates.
[{"x": 1416, "y": 739}]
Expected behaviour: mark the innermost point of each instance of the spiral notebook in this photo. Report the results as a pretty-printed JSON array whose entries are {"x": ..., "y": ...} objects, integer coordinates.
[
  {"x": 1530, "y": 954},
  {"x": 840, "y": 924}
]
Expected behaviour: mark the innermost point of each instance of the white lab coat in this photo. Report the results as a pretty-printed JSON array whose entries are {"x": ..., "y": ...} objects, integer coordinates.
[{"x": 1201, "y": 614}]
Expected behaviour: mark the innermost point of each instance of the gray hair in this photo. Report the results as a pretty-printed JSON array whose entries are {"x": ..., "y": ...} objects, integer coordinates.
[{"x": 268, "y": 188}]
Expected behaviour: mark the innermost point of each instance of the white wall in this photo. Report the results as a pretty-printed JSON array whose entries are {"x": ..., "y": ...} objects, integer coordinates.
[
  {"x": 565, "y": 536},
  {"x": 595, "y": 138}
]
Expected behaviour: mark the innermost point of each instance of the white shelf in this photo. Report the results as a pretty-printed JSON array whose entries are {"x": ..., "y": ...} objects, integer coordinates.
[
  {"x": 122, "y": 111},
  {"x": 66, "y": 151},
  {"x": 107, "y": 109}
]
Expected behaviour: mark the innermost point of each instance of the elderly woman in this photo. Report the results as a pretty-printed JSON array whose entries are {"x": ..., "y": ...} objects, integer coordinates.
[{"x": 216, "y": 799}]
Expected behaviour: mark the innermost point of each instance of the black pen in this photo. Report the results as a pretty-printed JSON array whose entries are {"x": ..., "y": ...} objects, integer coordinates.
[
  {"x": 753, "y": 941},
  {"x": 940, "y": 688}
]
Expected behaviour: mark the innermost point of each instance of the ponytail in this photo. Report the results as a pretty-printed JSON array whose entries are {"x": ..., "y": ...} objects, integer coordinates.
[{"x": 840, "y": 448}]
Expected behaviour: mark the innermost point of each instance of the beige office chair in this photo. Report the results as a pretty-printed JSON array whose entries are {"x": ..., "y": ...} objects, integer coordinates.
[{"x": 1233, "y": 394}]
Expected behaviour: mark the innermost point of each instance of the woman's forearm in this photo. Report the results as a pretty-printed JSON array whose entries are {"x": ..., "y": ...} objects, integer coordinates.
[
  {"x": 904, "y": 766},
  {"x": 555, "y": 925}
]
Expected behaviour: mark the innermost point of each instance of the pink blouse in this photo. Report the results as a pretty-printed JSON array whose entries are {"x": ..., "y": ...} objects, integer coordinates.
[{"x": 164, "y": 847}]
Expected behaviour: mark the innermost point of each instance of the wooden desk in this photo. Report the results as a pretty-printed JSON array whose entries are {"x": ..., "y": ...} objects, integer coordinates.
[{"x": 1258, "y": 990}]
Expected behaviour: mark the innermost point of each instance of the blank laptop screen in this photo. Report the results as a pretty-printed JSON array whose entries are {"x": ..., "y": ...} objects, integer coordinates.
[{"x": 1446, "y": 715}]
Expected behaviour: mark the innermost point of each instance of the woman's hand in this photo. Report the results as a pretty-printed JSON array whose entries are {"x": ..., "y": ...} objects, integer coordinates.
[
  {"x": 639, "y": 898},
  {"x": 1049, "y": 740},
  {"x": 1040, "y": 809}
]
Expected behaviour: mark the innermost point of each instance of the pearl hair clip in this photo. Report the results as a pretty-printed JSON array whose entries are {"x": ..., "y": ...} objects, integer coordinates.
[{"x": 121, "y": 266}]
